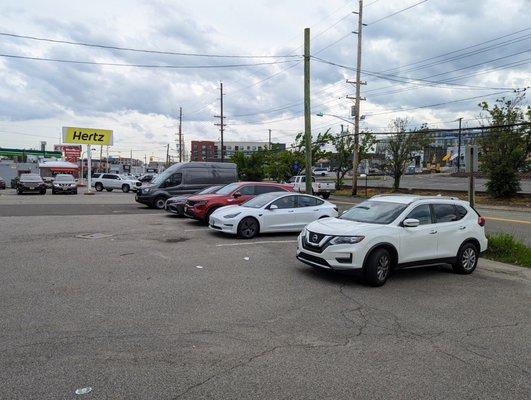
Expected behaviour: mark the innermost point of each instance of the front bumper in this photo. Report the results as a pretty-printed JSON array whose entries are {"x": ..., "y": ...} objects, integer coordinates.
[
  {"x": 175, "y": 208},
  {"x": 225, "y": 225},
  {"x": 66, "y": 189},
  {"x": 337, "y": 257},
  {"x": 147, "y": 200}
]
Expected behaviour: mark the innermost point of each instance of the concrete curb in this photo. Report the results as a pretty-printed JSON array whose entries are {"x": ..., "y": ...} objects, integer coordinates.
[{"x": 485, "y": 264}]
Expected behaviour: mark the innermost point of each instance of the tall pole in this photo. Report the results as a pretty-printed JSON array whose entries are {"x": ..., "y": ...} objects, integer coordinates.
[
  {"x": 355, "y": 158},
  {"x": 107, "y": 163},
  {"x": 180, "y": 134},
  {"x": 100, "y": 169},
  {"x": 269, "y": 139},
  {"x": 131, "y": 162},
  {"x": 307, "y": 111},
  {"x": 89, "y": 168},
  {"x": 167, "y": 155},
  {"x": 222, "y": 124},
  {"x": 459, "y": 147}
]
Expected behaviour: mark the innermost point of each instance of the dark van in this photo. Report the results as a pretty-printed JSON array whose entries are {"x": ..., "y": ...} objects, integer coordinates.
[{"x": 185, "y": 178}]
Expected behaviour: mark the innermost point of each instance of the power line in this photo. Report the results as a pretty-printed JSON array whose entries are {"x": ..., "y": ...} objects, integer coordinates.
[
  {"x": 397, "y": 12},
  {"x": 144, "y": 65},
  {"x": 174, "y": 53}
]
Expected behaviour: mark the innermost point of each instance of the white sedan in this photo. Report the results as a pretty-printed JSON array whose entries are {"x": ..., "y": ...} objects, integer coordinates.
[{"x": 271, "y": 212}]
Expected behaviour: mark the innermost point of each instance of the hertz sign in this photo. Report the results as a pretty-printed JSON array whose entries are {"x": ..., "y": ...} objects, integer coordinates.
[{"x": 76, "y": 135}]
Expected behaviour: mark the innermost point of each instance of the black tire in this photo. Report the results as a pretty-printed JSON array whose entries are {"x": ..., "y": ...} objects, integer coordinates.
[
  {"x": 377, "y": 267},
  {"x": 326, "y": 195},
  {"x": 467, "y": 259},
  {"x": 206, "y": 220},
  {"x": 109, "y": 189},
  {"x": 75, "y": 191},
  {"x": 159, "y": 202},
  {"x": 42, "y": 192},
  {"x": 98, "y": 186},
  {"x": 248, "y": 228},
  {"x": 126, "y": 188},
  {"x": 19, "y": 192},
  {"x": 54, "y": 192}
]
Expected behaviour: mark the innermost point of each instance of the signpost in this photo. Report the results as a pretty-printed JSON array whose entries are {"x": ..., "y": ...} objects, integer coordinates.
[
  {"x": 87, "y": 136},
  {"x": 471, "y": 162}
]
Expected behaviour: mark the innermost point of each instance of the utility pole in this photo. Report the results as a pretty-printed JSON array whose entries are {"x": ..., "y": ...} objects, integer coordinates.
[
  {"x": 131, "y": 162},
  {"x": 167, "y": 155},
  {"x": 180, "y": 134},
  {"x": 307, "y": 112},
  {"x": 459, "y": 147},
  {"x": 221, "y": 121},
  {"x": 355, "y": 158},
  {"x": 269, "y": 139}
]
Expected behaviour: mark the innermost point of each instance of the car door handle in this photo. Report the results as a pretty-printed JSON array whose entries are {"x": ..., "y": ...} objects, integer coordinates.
[
  {"x": 461, "y": 228},
  {"x": 290, "y": 211},
  {"x": 433, "y": 232}
]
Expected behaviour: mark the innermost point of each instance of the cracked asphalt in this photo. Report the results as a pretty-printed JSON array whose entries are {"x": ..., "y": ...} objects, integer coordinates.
[{"x": 132, "y": 316}]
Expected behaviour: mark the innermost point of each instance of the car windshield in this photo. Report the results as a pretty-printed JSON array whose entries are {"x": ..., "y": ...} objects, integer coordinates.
[
  {"x": 228, "y": 188},
  {"x": 374, "y": 212},
  {"x": 211, "y": 189},
  {"x": 64, "y": 178},
  {"x": 162, "y": 177},
  {"x": 30, "y": 177},
  {"x": 261, "y": 200}
]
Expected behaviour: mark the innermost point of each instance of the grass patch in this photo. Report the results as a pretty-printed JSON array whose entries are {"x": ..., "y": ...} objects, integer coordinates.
[{"x": 505, "y": 248}]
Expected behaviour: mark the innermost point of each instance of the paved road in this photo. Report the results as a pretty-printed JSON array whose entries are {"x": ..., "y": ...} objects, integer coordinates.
[
  {"x": 433, "y": 182},
  {"x": 133, "y": 317}
]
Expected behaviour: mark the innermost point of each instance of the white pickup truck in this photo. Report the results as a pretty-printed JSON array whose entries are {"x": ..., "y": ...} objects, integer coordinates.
[{"x": 319, "y": 187}]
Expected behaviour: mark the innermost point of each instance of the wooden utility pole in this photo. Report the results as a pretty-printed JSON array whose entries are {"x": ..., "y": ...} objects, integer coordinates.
[
  {"x": 167, "y": 155},
  {"x": 180, "y": 134},
  {"x": 221, "y": 121},
  {"x": 355, "y": 158},
  {"x": 307, "y": 112},
  {"x": 269, "y": 139},
  {"x": 459, "y": 147}
]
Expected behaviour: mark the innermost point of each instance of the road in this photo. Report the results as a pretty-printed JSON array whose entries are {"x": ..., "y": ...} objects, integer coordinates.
[
  {"x": 433, "y": 182},
  {"x": 132, "y": 315}
]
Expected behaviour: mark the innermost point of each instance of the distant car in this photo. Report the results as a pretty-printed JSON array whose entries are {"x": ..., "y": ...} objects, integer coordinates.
[
  {"x": 175, "y": 204},
  {"x": 271, "y": 212},
  {"x": 387, "y": 232},
  {"x": 2, "y": 183},
  {"x": 115, "y": 181},
  {"x": 64, "y": 183},
  {"x": 201, "y": 206},
  {"x": 147, "y": 178},
  {"x": 319, "y": 187},
  {"x": 319, "y": 171},
  {"x": 31, "y": 183}
]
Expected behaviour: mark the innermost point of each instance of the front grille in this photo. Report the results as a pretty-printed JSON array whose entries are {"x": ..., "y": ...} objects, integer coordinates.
[
  {"x": 313, "y": 259},
  {"x": 138, "y": 183},
  {"x": 315, "y": 238},
  {"x": 190, "y": 203}
]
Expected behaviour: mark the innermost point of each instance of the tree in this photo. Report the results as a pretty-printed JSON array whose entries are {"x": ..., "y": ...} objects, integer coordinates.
[
  {"x": 399, "y": 148},
  {"x": 251, "y": 167},
  {"x": 318, "y": 146},
  {"x": 341, "y": 159},
  {"x": 504, "y": 151},
  {"x": 283, "y": 164}
]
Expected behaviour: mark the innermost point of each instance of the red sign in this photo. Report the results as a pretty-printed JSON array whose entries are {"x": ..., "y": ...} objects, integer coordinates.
[{"x": 71, "y": 152}]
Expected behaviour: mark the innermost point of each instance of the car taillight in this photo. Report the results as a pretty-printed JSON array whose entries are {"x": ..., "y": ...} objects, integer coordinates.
[{"x": 481, "y": 221}]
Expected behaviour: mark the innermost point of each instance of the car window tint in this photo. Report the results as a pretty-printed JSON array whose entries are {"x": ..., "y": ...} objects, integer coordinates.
[
  {"x": 109, "y": 176},
  {"x": 247, "y": 190},
  {"x": 307, "y": 201},
  {"x": 286, "y": 202},
  {"x": 265, "y": 189},
  {"x": 444, "y": 212},
  {"x": 175, "y": 179},
  {"x": 461, "y": 212},
  {"x": 422, "y": 213}
]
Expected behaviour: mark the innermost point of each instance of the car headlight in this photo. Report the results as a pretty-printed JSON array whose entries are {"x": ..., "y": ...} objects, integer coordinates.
[
  {"x": 73, "y": 184},
  {"x": 232, "y": 215},
  {"x": 200, "y": 203},
  {"x": 146, "y": 190},
  {"x": 347, "y": 239}
]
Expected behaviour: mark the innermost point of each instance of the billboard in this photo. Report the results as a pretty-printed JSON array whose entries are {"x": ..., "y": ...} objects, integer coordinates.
[
  {"x": 71, "y": 153},
  {"x": 76, "y": 135}
]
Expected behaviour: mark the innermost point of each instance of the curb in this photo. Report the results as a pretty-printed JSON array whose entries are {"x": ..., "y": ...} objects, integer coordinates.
[{"x": 502, "y": 268}]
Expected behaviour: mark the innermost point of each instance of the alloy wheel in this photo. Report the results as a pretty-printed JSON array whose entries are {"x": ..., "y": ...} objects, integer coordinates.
[
  {"x": 468, "y": 259},
  {"x": 248, "y": 228},
  {"x": 383, "y": 267}
]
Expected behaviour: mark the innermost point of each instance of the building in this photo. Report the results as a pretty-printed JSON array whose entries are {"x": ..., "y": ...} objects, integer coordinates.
[{"x": 210, "y": 150}]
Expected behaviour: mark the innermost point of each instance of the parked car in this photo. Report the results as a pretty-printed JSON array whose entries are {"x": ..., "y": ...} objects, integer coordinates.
[
  {"x": 147, "y": 178},
  {"x": 115, "y": 181},
  {"x": 185, "y": 178},
  {"x": 321, "y": 171},
  {"x": 175, "y": 204},
  {"x": 64, "y": 183},
  {"x": 319, "y": 187},
  {"x": 271, "y": 212},
  {"x": 387, "y": 232},
  {"x": 31, "y": 183},
  {"x": 2, "y": 183},
  {"x": 201, "y": 206}
]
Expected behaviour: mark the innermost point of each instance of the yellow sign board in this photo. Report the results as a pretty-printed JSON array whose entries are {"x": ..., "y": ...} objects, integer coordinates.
[{"x": 78, "y": 135}]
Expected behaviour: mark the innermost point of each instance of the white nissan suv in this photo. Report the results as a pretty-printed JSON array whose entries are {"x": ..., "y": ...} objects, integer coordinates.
[{"x": 387, "y": 232}]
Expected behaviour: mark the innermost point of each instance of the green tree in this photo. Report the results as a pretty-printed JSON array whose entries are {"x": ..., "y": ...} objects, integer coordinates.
[
  {"x": 400, "y": 147},
  {"x": 251, "y": 167},
  {"x": 280, "y": 164},
  {"x": 318, "y": 145},
  {"x": 341, "y": 159},
  {"x": 505, "y": 151}
]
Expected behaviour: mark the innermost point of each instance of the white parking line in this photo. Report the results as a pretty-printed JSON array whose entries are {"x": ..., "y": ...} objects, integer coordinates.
[{"x": 252, "y": 243}]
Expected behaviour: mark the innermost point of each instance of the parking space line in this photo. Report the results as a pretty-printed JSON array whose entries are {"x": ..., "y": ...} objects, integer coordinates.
[{"x": 253, "y": 243}]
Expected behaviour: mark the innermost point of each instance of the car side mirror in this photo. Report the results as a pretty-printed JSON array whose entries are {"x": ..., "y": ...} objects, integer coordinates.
[
  {"x": 236, "y": 195},
  {"x": 273, "y": 207},
  {"x": 411, "y": 223}
]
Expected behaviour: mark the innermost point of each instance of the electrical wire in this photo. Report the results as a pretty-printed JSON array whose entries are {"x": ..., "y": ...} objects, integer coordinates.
[{"x": 397, "y": 12}]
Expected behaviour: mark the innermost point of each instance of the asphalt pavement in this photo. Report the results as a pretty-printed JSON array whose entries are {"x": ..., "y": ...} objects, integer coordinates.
[{"x": 157, "y": 307}]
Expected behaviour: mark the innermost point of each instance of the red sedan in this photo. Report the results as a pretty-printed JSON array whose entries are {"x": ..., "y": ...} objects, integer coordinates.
[{"x": 201, "y": 206}]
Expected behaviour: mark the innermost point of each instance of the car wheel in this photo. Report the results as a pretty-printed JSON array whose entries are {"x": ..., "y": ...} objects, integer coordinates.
[
  {"x": 248, "y": 228},
  {"x": 467, "y": 259},
  {"x": 19, "y": 192},
  {"x": 98, "y": 186},
  {"x": 377, "y": 267},
  {"x": 125, "y": 188},
  {"x": 326, "y": 195},
  {"x": 159, "y": 202},
  {"x": 75, "y": 191},
  {"x": 109, "y": 189},
  {"x": 206, "y": 220}
]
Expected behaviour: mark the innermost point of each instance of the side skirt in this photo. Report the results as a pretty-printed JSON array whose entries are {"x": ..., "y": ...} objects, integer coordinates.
[{"x": 425, "y": 263}]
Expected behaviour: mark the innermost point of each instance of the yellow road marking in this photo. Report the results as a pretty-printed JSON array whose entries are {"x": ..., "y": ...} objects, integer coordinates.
[{"x": 516, "y": 221}]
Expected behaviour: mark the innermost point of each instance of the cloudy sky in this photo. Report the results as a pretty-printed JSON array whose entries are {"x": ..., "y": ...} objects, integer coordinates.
[{"x": 431, "y": 63}]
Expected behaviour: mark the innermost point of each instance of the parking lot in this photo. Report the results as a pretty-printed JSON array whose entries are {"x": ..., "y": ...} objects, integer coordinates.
[{"x": 98, "y": 291}]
